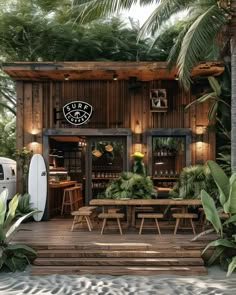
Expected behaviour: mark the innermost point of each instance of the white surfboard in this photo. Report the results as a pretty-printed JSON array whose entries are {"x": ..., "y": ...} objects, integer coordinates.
[{"x": 37, "y": 185}]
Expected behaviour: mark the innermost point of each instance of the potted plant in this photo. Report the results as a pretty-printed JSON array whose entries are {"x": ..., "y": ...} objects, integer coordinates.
[{"x": 129, "y": 185}]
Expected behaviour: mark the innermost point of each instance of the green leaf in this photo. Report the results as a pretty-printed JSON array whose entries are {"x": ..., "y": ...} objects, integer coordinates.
[
  {"x": 221, "y": 180},
  {"x": 231, "y": 219},
  {"x": 211, "y": 211},
  {"x": 215, "y": 85},
  {"x": 231, "y": 267},
  {"x": 18, "y": 222},
  {"x": 213, "y": 111},
  {"x": 216, "y": 254},
  {"x": 21, "y": 249},
  {"x": 230, "y": 204},
  {"x": 3, "y": 205},
  {"x": 11, "y": 211},
  {"x": 220, "y": 242},
  {"x": 201, "y": 99}
]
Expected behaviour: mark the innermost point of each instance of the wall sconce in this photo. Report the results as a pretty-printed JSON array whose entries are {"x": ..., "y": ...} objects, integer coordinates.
[
  {"x": 67, "y": 77},
  {"x": 34, "y": 138},
  {"x": 200, "y": 130},
  {"x": 115, "y": 77},
  {"x": 137, "y": 138}
]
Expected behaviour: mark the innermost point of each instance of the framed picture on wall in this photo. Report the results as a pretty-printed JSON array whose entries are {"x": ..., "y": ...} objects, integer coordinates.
[{"x": 158, "y": 100}]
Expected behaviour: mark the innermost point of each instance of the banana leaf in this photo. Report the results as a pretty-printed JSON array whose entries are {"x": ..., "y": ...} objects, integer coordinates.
[
  {"x": 14, "y": 227},
  {"x": 215, "y": 85},
  {"x": 216, "y": 254},
  {"x": 11, "y": 211},
  {"x": 201, "y": 99},
  {"x": 231, "y": 267},
  {"x": 211, "y": 211},
  {"x": 230, "y": 205},
  {"x": 232, "y": 219},
  {"x": 221, "y": 180},
  {"x": 220, "y": 242},
  {"x": 3, "y": 205}
]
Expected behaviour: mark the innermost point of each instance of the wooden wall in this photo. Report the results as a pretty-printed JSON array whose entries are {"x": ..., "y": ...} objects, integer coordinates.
[{"x": 115, "y": 106}]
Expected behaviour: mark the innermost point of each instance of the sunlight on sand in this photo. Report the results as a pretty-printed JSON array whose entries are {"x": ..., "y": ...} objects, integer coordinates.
[{"x": 22, "y": 283}]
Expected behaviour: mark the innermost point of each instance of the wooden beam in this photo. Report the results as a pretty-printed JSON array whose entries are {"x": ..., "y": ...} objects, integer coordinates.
[{"x": 143, "y": 71}]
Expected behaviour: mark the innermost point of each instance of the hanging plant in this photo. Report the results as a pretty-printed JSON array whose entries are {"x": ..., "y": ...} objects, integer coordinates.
[
  {"x": 96, "y": 152},
  {"x": 109, "y": 148}
]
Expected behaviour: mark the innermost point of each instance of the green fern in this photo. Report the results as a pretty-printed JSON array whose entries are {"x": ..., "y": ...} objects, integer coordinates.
[{"x": 130, "y": 185}]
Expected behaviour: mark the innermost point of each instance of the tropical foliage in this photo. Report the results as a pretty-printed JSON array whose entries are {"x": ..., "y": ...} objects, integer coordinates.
[
  {"x": 225, "y": 245},
  {"x": 24, "y": 206},
  {"x": 197, "y": 40},
  {"x": 13, "y": 256},
  {"x": 7, "y": 134},
  {"x": 192, "y": 180},
  {"x": 130, "y": 185}
]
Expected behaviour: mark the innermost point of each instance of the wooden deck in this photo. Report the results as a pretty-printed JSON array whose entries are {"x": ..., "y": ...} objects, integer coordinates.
[{"x": 82, "y": 252}]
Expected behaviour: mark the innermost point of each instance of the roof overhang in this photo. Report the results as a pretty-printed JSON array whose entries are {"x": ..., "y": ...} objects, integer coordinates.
[{"x": 143, "y": 71}]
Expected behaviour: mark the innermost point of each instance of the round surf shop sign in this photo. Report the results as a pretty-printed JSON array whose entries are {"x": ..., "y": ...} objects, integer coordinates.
[{"x": 77, "y": 112}]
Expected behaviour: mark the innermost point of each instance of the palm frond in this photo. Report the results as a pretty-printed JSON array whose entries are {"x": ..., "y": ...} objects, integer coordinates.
[
  {"x": 88, "y": 10},
  {"x": 201, "y": 33},
  {"x": 162, "y": 13},
  {"x": 174, "y": 52}
]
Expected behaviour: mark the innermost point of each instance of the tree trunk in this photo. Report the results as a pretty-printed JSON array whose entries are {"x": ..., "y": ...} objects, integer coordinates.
[{"x": 233, "y": 85}]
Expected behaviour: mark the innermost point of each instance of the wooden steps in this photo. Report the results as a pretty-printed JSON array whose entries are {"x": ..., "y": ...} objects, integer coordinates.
[
  {"x": 118, "y": 253},
  {"x": 119, "y": 271},
  {"x": 118, "y": 260},
  {"x": 61, "y": 251}
]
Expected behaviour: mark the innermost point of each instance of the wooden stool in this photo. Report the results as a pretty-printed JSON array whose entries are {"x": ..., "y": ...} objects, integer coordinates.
[
  {"x": 154, "y": 216},
  {"x": 72, "y": 197},
  {"x": 82, "y": 214},
  {"x": 106, "y": 216},
  {"x": 179, "y": 216}
]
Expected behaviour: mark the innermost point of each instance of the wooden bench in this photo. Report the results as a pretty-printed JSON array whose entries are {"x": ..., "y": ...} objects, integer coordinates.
[
  {"x": 106, "y": 216},
  {"x": 72, "y": 197},
  {"x": 83, "y": 214},
  {"x": 179, "y": 216},
  {"x": 154, "y": 216}
]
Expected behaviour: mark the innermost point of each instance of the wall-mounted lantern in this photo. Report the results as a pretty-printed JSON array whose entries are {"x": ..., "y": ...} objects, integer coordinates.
[{"x": 199, "y": 132}]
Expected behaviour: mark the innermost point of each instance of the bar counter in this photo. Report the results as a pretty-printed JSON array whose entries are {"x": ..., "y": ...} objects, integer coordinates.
[
  {"x": 56, "y": 190},
  {"x": 62, "y": 184}
]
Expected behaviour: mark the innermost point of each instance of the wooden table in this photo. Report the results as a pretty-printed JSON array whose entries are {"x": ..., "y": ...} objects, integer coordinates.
[{"x": 132, "y": 203}]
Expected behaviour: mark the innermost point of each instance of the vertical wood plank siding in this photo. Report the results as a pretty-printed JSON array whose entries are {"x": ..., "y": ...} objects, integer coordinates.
[{"x": 114, "y": 106}]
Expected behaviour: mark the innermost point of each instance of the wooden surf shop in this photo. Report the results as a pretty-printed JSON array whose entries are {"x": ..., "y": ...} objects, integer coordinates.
[{"x": 126, "y": 107}]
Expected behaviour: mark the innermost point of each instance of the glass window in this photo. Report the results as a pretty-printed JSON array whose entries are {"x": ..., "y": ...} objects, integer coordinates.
[
  {"x": 107, "y": 162},
  {"x": 168, "y": 159}
]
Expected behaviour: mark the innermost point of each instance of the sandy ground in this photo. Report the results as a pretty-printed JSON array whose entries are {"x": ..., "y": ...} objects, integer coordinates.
[{"x": 22, "y": 283}]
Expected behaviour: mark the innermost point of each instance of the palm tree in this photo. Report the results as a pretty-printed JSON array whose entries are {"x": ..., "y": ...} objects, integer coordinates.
[{"x": 206, "y": 20}]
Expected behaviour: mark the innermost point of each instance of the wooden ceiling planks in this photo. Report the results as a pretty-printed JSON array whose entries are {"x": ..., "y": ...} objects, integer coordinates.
[{"x": 143, "y": 71}]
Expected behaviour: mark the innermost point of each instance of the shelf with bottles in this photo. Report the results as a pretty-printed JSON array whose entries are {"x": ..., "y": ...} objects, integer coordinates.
[
  {"x": 100, "y": 185},
  {"x": 164, "y": 153},
  {"x": 166, "y": 173},
  {"x": 106, "y": 175}
]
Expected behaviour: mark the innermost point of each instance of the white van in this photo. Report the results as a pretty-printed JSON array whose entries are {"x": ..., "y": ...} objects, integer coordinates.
[{"x": 8, "y": 176}]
